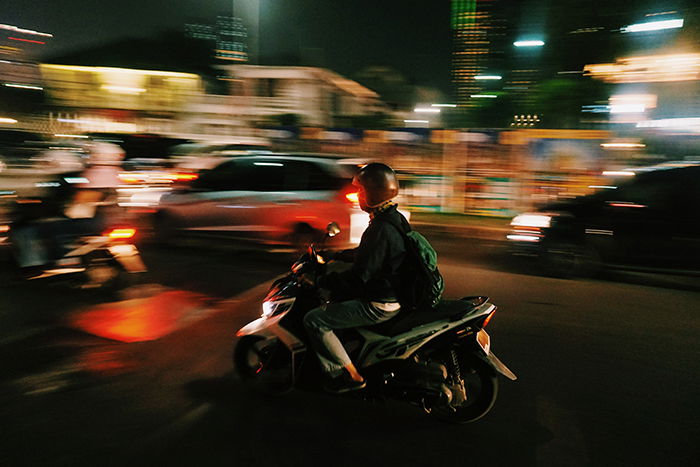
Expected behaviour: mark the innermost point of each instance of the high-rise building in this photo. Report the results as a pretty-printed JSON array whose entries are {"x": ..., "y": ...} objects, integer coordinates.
[
  {"x": 479, "y": 31},
  {"x": 21, "y": 86},
  {"x": 19, "y": 49},
  {"x": 249, "y": 12},
  {"x": 228, "y": 37}
]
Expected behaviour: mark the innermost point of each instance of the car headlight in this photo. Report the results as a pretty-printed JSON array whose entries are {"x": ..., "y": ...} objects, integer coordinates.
[
  {"x": 272, "y": 308},
  {"x": 541, "y": 221}
]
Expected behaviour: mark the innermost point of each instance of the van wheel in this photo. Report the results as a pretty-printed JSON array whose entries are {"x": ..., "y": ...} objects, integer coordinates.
[{"x": 566, "y": 259}]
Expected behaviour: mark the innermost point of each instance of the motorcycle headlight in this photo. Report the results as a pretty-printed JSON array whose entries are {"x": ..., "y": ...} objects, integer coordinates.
[
  {"x": 272, "y": 308},
  {"x": 532, "y": 220}
]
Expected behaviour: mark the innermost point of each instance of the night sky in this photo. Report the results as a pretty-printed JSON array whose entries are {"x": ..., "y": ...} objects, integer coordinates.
[{"x": 343, "y": 35}]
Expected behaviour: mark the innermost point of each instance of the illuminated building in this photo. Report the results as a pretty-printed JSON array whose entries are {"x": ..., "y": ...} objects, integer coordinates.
[
  {"x": 317, "y": 96},
  {"x": 21, "y": 89},
  {"x": 249, "y": 12},
  {"x": 119, "y": 99},
  {"x": 478, "y": 29},
  {"x": 228, "y": 37},
  {"x": 656, "y": 76}
]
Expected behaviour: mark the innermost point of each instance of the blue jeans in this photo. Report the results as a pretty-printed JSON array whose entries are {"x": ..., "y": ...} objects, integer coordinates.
[{"x": 320, "y": 324}]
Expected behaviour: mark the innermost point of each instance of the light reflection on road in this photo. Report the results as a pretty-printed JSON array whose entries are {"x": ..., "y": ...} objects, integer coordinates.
[{"x": 143, "y": 318}]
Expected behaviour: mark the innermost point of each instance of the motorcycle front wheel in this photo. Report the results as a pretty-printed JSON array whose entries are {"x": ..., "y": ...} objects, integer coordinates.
[
  {"x": 481, "y": 389},
  {"x": 265, "y": 363}
]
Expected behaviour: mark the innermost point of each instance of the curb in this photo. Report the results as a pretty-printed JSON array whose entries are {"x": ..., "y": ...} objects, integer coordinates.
[{"x": 466, "y": 231}]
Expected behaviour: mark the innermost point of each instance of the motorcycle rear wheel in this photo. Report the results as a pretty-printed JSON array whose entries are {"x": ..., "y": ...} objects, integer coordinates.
[{"x": 481, "y": 385}]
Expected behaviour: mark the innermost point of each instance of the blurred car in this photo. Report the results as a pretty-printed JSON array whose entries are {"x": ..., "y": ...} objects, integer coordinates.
[
  {"x": 273, "y": 199},
  {"x": 649, "y": 221},
  {"x": 142, "y": 148},
  {"x": 194, "y": 157}
]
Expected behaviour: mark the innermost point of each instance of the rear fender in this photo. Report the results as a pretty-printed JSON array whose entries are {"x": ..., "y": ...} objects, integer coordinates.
[
  {"x": 128, "y": 256},
  {"x": 497, "y": 365},
  {"x": 480, "y": 347}
]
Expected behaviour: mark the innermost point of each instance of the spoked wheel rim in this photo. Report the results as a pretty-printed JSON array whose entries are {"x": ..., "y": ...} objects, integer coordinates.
[{"x": 481, "y": 388}]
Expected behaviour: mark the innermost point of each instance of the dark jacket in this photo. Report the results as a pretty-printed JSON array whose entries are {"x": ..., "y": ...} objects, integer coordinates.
[{"x": 374, "y": 275}]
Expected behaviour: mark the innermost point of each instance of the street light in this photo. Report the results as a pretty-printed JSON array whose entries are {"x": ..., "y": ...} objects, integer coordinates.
[
  {"x": 413, "y": 123},
  {"x": 654, "y": 26},
  {"x": 533, "y": 43}
]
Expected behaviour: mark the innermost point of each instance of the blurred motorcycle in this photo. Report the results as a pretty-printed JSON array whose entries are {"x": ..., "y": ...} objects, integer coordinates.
[
  {"x": 439, "y": 360},
  {"x": 103, "y": 255}
]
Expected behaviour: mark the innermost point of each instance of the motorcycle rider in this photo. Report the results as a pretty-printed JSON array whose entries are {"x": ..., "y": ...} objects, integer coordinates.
[
  {"x": 39, "y": 241},
  {"x": 370, "y": 288}
]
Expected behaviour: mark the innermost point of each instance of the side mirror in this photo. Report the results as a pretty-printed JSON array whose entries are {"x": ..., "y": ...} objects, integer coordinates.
[{"x": 332, "y": 230}]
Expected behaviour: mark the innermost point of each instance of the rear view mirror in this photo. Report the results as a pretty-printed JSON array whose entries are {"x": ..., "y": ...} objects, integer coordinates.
[{"x": 332, "y": 229}]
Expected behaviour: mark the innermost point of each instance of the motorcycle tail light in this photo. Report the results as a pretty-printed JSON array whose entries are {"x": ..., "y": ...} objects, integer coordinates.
[
  {"x": 121, "y": 234},
  {"x": 486, "y": 320}
]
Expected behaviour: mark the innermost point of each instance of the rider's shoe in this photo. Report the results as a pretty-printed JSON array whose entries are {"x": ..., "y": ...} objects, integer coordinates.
[{"x": 343, "y": 383}]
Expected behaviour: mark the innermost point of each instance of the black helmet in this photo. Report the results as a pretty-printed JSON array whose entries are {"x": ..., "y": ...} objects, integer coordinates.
[{"x": 377, "y": 183}]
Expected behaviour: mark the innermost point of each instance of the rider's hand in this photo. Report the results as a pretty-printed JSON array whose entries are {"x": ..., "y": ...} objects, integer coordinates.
[
  {"x": 324, "y": 295},
  {"x": 308, "y": 279}
]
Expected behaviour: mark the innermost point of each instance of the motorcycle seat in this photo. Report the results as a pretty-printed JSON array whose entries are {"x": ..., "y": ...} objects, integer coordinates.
[{"x": 445, "y": 310}]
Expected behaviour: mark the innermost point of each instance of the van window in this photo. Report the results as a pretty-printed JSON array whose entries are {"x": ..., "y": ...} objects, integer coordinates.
[
  {"x": 304, "y": 175},
  {"x": 269, "y": 175},
  {"x": 264, "y": 175},
  {"x": 659, "y": 190},
  {"x": 228, "y": 176}
]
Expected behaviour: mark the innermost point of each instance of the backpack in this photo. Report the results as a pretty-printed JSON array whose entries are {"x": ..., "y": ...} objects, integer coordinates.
[{"x": 421, "y": 282}]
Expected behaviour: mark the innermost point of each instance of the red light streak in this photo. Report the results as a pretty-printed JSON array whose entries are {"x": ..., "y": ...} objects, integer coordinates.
[
  {"x": 627, "y": 205},
  {"x": 25, "y": 40}
]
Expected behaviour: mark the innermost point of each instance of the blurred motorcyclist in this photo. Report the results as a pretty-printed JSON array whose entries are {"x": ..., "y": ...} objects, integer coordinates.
[
  {"x": 39, "y": 241},
  {"x": 370, "y": 288}
]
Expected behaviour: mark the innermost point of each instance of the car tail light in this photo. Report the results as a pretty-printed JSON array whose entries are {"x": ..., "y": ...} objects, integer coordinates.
[
  {"x": 181, "y": 177},
  {"x": 121, "y": 234},
  {"x": 129, "y": 177},
  {"x": 353, "y": 197}
]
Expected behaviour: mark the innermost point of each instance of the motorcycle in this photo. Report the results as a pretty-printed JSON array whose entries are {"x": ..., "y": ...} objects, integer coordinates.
[
  {"x": 107, "y": 260},
  {"x": 440, "y": 360}
]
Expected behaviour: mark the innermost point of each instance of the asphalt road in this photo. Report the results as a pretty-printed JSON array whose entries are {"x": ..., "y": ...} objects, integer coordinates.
[{"x": 608, "y": 374}]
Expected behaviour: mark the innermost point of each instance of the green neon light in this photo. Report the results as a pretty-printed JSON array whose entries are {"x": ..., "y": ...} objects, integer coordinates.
[{"x": 463, "y": 13}]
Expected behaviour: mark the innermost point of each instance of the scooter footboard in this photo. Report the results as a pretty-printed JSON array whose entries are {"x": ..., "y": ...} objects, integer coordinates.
[{"x": 128, "y": 256}]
